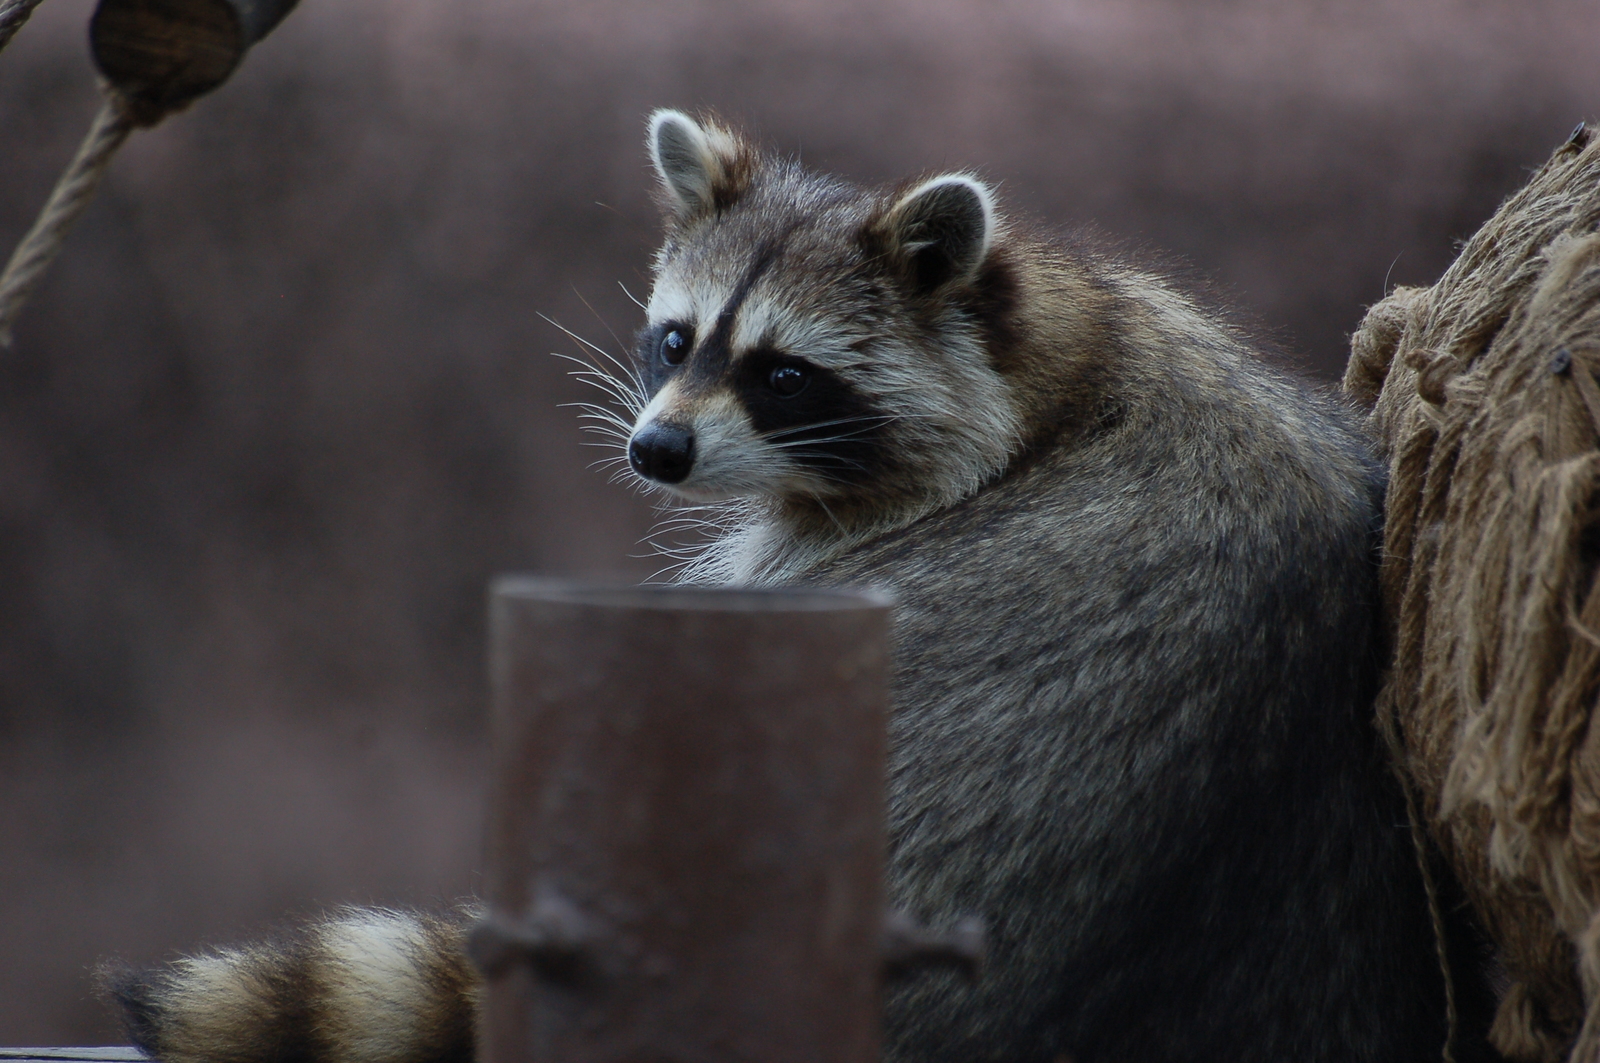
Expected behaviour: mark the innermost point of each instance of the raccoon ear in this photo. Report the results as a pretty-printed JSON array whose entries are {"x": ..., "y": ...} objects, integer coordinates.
[
  {"x": 703, "y": 167},
  {"x": 940, "y": 230}
]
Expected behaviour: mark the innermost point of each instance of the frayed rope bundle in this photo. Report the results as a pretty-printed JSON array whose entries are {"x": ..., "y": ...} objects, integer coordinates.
[{"x": 1484, "y": 401}]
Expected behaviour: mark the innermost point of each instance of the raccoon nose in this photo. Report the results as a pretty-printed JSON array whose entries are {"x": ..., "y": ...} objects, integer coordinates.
[{"x": 662, "y": 452}]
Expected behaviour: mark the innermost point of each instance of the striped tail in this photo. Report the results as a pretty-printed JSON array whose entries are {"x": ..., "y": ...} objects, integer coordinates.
[{"x": 362, "y": 985}]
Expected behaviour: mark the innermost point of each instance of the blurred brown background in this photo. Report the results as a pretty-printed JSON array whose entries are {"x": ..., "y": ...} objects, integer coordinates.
[{"x": 286, "y": 402}]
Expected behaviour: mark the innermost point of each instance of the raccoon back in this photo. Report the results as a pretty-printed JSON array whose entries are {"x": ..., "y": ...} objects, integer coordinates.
[{"x": 1133, "y": 732}]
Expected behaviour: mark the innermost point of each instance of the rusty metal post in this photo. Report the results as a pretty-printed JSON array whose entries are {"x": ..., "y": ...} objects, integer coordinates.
[{"x": 685, "y": 845}]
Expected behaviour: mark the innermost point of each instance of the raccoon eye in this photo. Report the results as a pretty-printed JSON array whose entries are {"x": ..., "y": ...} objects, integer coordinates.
[
  {"x": 788, "y": 380},
  {"x": 674, "y": 346}
]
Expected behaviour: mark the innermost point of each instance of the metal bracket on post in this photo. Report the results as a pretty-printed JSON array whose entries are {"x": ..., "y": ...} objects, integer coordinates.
[
  {"x": 909, "y": 947},
  {"x": 555, "y": 937}
]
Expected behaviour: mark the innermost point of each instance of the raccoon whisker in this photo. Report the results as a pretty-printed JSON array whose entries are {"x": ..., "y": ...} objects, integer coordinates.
[
  {"x": 590, "y": 371},
  {"x": 663, "y": 542},
  {"x": 683, "y": 553},
  {"x": 629, "y": 294},
  {"x": 607, "y": 428},
  {"x": 839, "y": 460},
  {"x": 665, "y": 570},
  {"x": 593, "y": 370},
  {"x": 829, "y": 478},
  {"x": 603, "y": 322},
  {"x": 590, "y": 344},
  {"x": 834, "y": 477},
  {"x": 602, "y": 412},
  {"x": 617, "y": 389},
  {"x": 687, "y": 522},
  {"x": 588, "y": 365},
  {"x": 618, "y": 412},
  {"x": 818, "y": 500},
  {"x": 620, "y": 390},
  {"x": 593, "y": 412},
  {"x": 822, "y": 441},
  {"x": 798, "y": 450},
  {"x": 699, "y": 524},
  {"x": 688, "y": 539},
  {"x": 801, "y": 444},
  {"x": 723, "y": 513},
  {"x": 877, "y": 417},
  {"x": 586, "y": 342},
  {"x": 594, "y": 376},
  {"x": 673, "y": 528},
  {"x": 867, "y": 422},
  {"x": 705, "y": 512},
  {"x": 607, "y": 418},
  {"x": 680, "y": 554},
  {"x": 619, "y": 380},
  {"x": 627, "y": 370}
]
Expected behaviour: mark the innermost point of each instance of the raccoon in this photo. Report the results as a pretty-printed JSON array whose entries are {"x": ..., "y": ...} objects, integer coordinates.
[{"x": 1137, "y": 638}]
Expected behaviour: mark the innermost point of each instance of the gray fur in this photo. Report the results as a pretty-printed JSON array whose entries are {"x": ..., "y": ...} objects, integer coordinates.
[
  {"x": 1138, "y": 634},
  {"x": 1131, "y": 734}
]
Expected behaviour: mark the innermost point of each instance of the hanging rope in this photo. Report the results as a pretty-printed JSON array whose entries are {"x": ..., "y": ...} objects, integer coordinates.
[
  {"x": 157, "y": 59},
  {"x": 72, "y": 193},
  {"x": 13, "y": 13}
]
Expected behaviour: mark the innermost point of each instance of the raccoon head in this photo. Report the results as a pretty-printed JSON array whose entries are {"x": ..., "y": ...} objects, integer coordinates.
[{"x": 816, "y": 344}]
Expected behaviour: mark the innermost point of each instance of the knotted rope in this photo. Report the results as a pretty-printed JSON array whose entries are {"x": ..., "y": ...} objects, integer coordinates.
[{"x": 1484, "y": 402}]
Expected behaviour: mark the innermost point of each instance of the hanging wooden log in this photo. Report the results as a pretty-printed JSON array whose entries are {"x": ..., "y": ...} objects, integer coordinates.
[{"x": 165, "y": 53}]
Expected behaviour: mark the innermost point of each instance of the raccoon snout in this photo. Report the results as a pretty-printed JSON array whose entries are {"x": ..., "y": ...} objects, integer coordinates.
[{"x": 662, "y": 452}]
